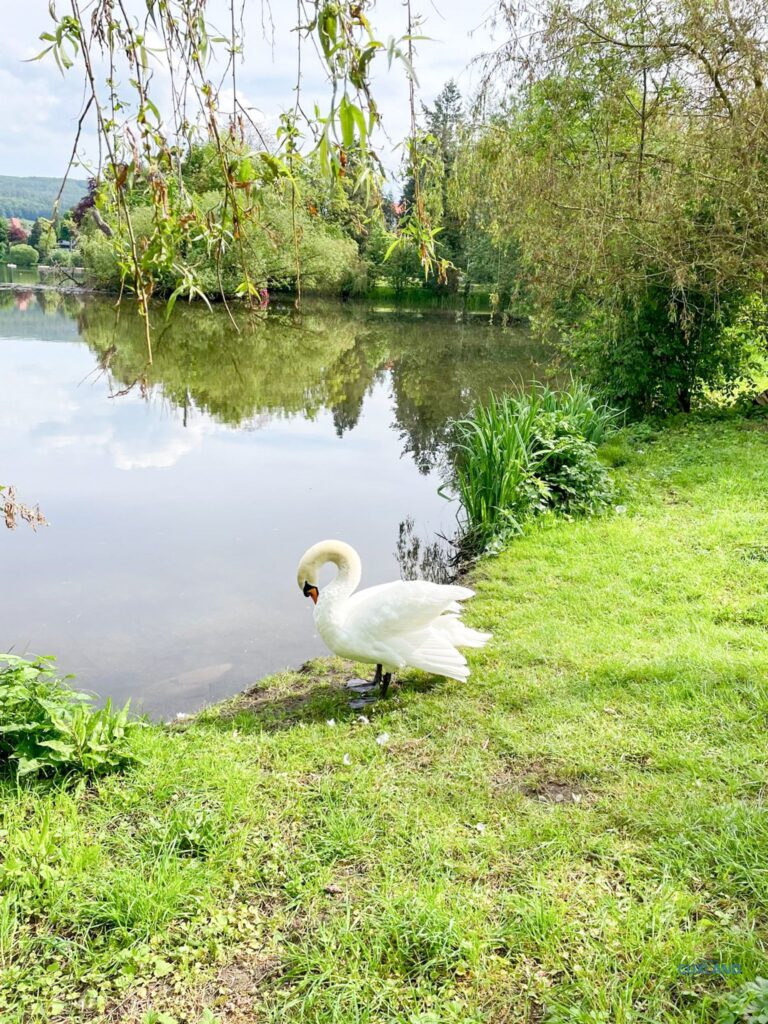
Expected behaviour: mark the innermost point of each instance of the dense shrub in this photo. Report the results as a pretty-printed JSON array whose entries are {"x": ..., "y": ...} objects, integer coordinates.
[
  {"x": 647, "y": 355},
  {"x": 519, "y": 456},
  {"x": 47, "y": 728},
  {"x": 329, "y": 262},
  {"x": 23, "y": 255},
  {"x": 60, "y": 258}
]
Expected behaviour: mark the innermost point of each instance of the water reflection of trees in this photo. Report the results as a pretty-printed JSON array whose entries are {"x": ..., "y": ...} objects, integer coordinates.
[
  {"x": 439, "y": 371},
  {"x": 31, "y": 313},
  {"x": 276, "y": 363},
  {"x": 329, "y": 357}
]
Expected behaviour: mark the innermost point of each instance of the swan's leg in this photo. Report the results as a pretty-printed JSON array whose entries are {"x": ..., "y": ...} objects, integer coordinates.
[
  {"x": 366, "y": 685},
  {"x": 364, "y": 689},
  {"x": 385, "y": 681}
]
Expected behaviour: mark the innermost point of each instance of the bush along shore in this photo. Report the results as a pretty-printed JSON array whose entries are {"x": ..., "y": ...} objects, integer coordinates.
[{"x": 577, "y": 834}]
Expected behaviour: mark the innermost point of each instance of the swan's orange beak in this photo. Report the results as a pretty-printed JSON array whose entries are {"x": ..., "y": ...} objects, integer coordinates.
[{"x": 310, "y": 590}]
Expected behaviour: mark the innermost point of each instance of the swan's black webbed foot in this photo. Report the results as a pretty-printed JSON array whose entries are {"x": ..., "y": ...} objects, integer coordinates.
[{"x": 364, "y": 690}]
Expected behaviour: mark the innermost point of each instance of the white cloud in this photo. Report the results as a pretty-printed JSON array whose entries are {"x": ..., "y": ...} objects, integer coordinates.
[
  {"x": 55, "y": 418},
  {"x": 160, "y": 445}
]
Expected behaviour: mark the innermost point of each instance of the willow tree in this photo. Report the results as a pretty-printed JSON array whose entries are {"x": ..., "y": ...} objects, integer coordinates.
[
  {"x": 627, "y": 160},
  {"x": 154, "y": 76}
]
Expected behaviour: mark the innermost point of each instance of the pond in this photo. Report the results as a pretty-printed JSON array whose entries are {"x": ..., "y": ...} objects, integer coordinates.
[
  {"x": 181, "y": 495},
  {"x": 18, "y": 275}
]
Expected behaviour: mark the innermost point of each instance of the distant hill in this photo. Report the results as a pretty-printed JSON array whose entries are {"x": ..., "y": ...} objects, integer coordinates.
[{"x": 31, "y": 198}]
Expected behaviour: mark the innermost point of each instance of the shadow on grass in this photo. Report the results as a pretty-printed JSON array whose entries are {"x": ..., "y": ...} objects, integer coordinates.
[{"x": 315, "y": 693}]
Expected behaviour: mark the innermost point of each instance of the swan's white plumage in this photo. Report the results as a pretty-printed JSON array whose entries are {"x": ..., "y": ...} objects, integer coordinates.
[{"x": 408, "y": 622}]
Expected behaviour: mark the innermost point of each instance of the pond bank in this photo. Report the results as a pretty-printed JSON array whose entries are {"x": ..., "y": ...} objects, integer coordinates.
[
  {"x": 379, "y": 299},
  {"x": 564, "y": 834}
]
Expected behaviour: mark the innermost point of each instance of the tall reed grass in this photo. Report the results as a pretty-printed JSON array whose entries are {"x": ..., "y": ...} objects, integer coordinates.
[{"x": 519, "y": 455}]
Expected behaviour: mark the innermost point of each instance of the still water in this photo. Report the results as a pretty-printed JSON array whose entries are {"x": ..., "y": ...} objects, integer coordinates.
[{"x": 181, "y": 495}]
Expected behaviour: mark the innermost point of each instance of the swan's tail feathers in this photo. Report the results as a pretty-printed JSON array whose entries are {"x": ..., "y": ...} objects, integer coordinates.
[
  {"x": 451, "y": 669},
  {"x": 461, "y": 635},
  {"x": 461, "y": 675},
  {"x": 436, "y": 653},
  {"x": 473, "y": 638}
]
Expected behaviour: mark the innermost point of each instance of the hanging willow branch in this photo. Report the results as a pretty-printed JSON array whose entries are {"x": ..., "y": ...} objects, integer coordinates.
[
  {"x": 143, "y": 149},
  {"x": 12, "y": 510}
]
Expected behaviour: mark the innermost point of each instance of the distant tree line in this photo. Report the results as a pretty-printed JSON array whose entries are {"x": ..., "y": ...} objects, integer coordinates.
[{"x": 30, "y": 198}]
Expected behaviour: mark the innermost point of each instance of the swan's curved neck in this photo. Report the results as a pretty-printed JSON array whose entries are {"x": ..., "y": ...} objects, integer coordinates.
[
  {"x": 346, "y": 580},
  {"x": 344, "y": 557}
]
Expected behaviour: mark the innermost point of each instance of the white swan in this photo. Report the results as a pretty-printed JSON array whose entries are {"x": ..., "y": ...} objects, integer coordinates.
[{"x": 411, "y": 622}]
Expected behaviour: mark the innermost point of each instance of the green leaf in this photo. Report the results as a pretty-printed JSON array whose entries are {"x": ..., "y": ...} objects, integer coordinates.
[
  {"x": 161, "y": 968},
  {"x": 67, "y": 749},
  {"x": 347, "y": 122},
  {"x": 28, "y": 765},
  {"x": 359, "y": 118},
  {"x": 322, "y": 152},
  {"x": 392, "y": 248}
]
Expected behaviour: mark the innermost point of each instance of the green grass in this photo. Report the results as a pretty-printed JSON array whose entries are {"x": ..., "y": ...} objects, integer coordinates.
[{"x": 549, "y": 841}]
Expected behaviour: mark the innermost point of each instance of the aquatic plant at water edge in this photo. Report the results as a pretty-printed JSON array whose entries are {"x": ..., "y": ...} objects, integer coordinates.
[
  {"x": 48, "y": 728},
  {"x": 518, "y": 456}
]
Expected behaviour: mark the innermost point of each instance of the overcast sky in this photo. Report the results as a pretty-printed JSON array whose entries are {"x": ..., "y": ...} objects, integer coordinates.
[{"x": 40, "y": 107}]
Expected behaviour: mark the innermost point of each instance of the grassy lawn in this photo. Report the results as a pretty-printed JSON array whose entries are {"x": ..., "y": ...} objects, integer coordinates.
[{"x": 550, "y": 841}]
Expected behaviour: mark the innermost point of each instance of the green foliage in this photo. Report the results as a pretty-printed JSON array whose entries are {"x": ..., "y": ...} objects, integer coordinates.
[
  {"x": 747, "y": 1006},
  {"x": 639, "y": 199},
  {"x": 517, "y": 457},
  {"x": 60, "y": 258},
  {"x": 30, "y": 198},
  {"x": 397, "y": 265},
  {"x": 191, "y": 828},
  {"x": 328, "y": 261},
  {"x": 23, "y": 255},
  {"x": 3, "y": 235},
  {"x": 42, "y": 236},
  {"x": 647, "y": 359},
  {"x": 46, "y": 728},
  {"x": 66, "y": 230},
  {"x": 187, "y": 247}
]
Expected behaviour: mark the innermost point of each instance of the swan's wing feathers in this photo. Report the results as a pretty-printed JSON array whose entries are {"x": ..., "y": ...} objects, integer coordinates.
[{"x": 401, "y": 607}]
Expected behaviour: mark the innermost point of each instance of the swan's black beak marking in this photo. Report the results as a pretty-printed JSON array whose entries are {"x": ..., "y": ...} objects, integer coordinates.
[{"x": 310, "y": 590}]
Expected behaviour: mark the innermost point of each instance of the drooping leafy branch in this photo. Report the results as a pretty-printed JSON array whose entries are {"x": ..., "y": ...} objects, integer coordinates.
[
  {"x": 626, "y": 162},
  {"x": 155, "y": 73}
]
